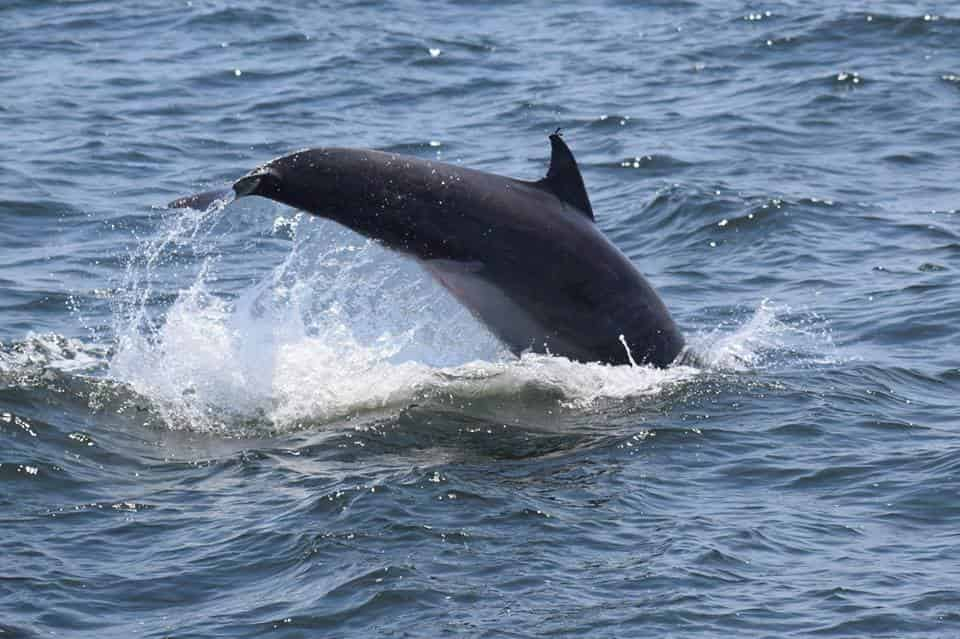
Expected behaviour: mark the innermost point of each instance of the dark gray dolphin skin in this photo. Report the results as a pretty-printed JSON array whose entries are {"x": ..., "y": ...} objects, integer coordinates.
[{"x": 526, "y": 258}]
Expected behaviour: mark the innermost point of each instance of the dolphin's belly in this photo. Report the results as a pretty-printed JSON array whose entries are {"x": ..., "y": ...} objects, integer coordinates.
[
  {"x": 489, "y": 303},
  {"x": 561, "y": 320}
]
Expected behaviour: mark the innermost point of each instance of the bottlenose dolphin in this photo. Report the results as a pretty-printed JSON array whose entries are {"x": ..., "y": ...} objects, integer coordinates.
[{"x": 526, "y": 258}]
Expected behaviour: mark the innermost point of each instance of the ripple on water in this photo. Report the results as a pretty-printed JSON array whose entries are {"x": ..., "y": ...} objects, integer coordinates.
[{"x": 246, "y": 421}]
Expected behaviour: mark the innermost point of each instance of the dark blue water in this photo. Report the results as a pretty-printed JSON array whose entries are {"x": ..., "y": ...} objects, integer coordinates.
[{"x": 247, "y": 422}]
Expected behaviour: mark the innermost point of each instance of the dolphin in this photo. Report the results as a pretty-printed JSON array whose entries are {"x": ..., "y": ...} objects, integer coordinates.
[{"x": 525, "y": 257}]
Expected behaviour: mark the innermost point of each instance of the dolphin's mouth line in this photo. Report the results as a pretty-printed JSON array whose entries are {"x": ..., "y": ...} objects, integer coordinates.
[
  {"x": 247, "y": 184},
  {"x": 263, "y": 180}
]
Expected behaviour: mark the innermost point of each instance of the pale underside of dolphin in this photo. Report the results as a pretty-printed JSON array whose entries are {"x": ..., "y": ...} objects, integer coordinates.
[{"x": 526, "y": 258}]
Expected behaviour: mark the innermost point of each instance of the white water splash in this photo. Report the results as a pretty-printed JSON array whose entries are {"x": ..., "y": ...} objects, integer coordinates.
[
  {"x": 41, "y": 351},
  {"x": 763, "y": 340},
  {"x": 348, "y": 328}
]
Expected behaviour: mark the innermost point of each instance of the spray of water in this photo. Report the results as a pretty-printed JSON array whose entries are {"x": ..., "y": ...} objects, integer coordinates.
[{"x": 341, "y": 327}]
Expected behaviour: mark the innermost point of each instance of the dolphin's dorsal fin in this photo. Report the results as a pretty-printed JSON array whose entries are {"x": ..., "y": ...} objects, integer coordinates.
[{"x": 564, "y": 179}]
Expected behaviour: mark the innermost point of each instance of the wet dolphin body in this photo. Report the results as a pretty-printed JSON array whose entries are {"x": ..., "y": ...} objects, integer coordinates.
[{"x": 526, "y": 258}]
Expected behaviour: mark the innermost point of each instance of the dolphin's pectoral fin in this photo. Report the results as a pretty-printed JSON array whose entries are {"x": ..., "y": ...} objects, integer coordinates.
[{"x": 564, "y": 179}]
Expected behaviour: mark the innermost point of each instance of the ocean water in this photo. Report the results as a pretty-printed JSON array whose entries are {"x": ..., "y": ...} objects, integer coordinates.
[{"x": 248, "y": 422}]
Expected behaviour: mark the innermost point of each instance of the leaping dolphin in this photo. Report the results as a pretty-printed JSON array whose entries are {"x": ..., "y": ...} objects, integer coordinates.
[{"x": 526, "y": 258}]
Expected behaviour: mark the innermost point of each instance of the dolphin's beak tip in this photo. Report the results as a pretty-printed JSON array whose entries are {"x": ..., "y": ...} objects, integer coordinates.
[{"x": 202, "y": 201}]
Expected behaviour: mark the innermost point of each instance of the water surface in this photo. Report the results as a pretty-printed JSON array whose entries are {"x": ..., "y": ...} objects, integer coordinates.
[{"x": 248, "y": 422}]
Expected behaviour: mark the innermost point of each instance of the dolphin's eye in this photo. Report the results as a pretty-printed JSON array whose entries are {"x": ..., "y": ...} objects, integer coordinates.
[
  {"x": 247, "y": 185},
  {"x": 257, "y": 184}
]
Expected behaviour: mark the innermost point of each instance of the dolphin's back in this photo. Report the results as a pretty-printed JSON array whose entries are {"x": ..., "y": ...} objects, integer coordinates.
[{"x": 537, "y": 271}]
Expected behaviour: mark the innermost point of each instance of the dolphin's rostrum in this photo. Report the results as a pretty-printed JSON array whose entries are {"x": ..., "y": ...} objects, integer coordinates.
[{"x": 525, "y": 257}]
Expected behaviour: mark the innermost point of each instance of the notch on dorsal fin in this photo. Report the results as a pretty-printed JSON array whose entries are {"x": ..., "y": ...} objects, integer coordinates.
[{"x": 564, "y": 179}]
